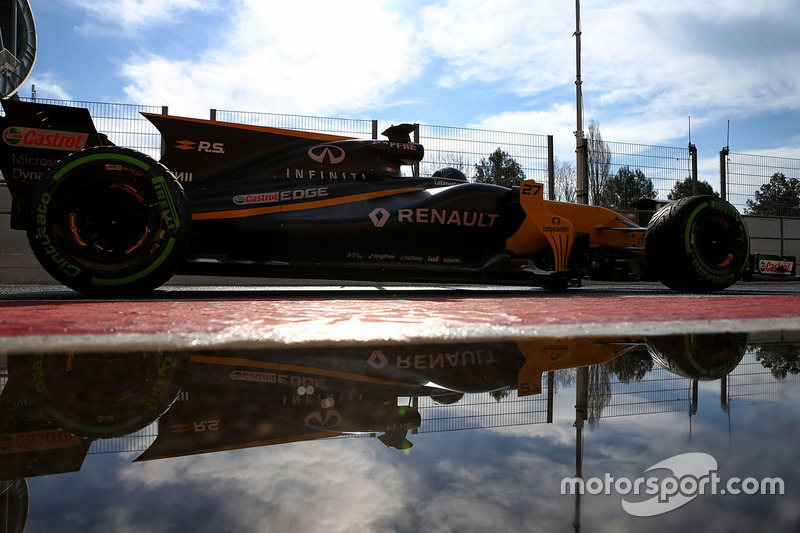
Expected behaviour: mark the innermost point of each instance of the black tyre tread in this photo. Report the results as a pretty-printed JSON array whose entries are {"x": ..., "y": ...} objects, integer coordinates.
[
  {"x": 84, "y": 283},
  {"x": 666, "y": 253}
]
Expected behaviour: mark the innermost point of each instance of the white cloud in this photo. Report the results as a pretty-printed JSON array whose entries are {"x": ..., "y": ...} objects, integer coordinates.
[
  {"x": 297, "y": 57},
  {"x": 647, "y": 66},
  {"x": 48, "y": 85},
  {"x": 127, "y": 16},
  {"x": 524, "y": 45}
]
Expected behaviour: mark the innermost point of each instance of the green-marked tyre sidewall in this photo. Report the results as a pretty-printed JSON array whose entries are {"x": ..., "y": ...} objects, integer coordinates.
[
  {"x": 67, "y": 400},
  {"x": 676, "y": 253},
  {"x": 702, "y": 270},
  {"x": 703, "y": 357},
  {"x": 61, "y": 248}
]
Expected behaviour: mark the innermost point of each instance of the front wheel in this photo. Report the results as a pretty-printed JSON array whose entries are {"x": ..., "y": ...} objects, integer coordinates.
[
  {"x": 697, "y": 244},
  {"x": 110, "y": 221}
]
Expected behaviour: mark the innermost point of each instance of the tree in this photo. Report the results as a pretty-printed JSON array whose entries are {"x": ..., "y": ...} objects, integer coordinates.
[
  {"x": 499, "y": 169},
  {"x": 779, "y": 197},
  {"x": 443, "y": 159},
  {"x": 632, "y": 365},
  {"x": 565, "y": 179},
  {"x": 683, "y": 189},
  {"x": 598, "y": 159},
  {"x": 780, "y": 359},
  {"x": 627, "y": 186}
]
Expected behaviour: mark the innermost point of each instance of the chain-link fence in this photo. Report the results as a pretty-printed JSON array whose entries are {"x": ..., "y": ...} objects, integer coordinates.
[
  {"x": 622, "y": 173},
  {"x": 123, "y": 124},
  {"x": 465, "y": 149},
  {"x": 762, "y": 185},
  {"x": 346, "y": 127},
  {"x": 619, "y": 175},
  {"x": 486, "y": 410}
]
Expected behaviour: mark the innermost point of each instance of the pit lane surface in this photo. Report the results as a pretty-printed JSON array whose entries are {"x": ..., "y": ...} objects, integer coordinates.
[
  {"x": 45, "y": 317},
  {"x": 486, "y": 476}
]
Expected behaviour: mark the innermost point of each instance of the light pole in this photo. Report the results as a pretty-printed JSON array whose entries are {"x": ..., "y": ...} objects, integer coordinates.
[{"x": 580, "y": 141}]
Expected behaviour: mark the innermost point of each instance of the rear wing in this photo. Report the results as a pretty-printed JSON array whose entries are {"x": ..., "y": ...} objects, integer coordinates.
[
  {"x": 34, "y": 138},
  {"x": 196, "y": 150}
]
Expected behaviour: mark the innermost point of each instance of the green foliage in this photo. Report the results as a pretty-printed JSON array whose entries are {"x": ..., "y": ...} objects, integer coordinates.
[
  {"x": 683, "y": 189},
  {"x": 633, "y": 365},
  {"x": 779, "y": 197},
  {"x": 780, "y": 359},
  {"x": 499, "y": 169},
  {"x": 625, "y": 187}
]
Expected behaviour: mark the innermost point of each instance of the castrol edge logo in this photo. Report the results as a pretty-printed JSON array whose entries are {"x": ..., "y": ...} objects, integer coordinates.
[{"x": 19, "y": 137}]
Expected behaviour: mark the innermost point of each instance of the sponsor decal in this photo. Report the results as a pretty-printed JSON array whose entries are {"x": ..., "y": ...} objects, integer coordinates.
[
  {"x": 430, "y": 361},
  {"x": 326, "y": 152},
  {"x": 399, "y": 146},
  {"x": 208, "y": 147},
  {"x": 379, "y": 217},
  {"x": 280, "y": 196},
  {"x": 162, "y": 381},
  {"x": 183, "y": 176},
  {"x": 69, "y": 141},
  {"x": 196, "y": 427},
  {"x": 327, "y": 419},
  {"x": 445, "y": 217},
  {"x": 43, "y": 234},
  {"x": 259, "y": 377},
  {"x": 168, "y": 211},
  {"x": 330, "y": 175},
  {"x": 30, "y": 441},
  {"x": 556, "y": 227},
  {"x": 425, "y": 215},
  {"x": 771, "y": 266}
]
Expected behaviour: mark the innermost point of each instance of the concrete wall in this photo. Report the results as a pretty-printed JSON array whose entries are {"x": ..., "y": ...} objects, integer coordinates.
[
  {"x": 17, "y": 264},
  {"x": 774, "y": 235}
]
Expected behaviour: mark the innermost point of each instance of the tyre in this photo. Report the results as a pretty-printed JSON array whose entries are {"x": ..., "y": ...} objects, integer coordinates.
[
  {"x": 110, "y": 221},
  {"x": 699, "y": 356},
  {"x": 104, "y": 395},
  {"x": 697, "y": 244}
]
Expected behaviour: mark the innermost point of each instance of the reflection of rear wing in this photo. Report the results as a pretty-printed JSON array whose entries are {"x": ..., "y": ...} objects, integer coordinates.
[{"x": 35, "y": 137}]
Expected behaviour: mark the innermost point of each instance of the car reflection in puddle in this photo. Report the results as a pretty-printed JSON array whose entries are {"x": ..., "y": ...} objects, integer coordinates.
[{"x": 57, "y": 408}]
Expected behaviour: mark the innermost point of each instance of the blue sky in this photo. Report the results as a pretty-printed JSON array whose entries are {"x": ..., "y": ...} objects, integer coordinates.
[{"x": 506, "y": 64}]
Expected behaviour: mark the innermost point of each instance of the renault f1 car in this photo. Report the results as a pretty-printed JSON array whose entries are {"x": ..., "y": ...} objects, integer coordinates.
[{"x": 233, "y": 199}]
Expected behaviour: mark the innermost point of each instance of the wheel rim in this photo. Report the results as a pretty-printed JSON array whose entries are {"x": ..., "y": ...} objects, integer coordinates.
[
  {"x": 716, "y": 241},
  {"x": 109, "y": 225}
]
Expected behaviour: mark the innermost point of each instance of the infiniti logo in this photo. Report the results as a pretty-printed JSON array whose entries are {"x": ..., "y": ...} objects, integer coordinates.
[
  {"x": 321, "y": 152},
  {"x": 327, "y": 420}
]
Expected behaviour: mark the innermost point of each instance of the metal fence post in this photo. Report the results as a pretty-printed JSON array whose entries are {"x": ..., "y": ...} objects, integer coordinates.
[
  {"x": 374, "y": 130},
  {"x": 693, "y": 155},
  {"x": 551, "y": 170},
  {"x": 415, "y": 167},
  {"x": 212, "y": 114},
  {"x": 723, "y": 173},
  {"x": 165, "y": 112}
]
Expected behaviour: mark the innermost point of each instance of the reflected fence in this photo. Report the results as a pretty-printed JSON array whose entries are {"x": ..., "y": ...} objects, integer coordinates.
[{"x": 619, "y": 173}]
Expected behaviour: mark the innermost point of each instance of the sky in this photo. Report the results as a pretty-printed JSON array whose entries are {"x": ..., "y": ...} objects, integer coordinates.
[
  {"x": 500, "y": 479},
  {"x": 653, "y": 72}
]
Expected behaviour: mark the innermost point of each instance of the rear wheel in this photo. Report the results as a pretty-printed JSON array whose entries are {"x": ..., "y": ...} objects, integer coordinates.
[
  {"x": 104, "y": 395},
  {"x": 110, "y": 221},
  {"x": 697, "y": 244}
]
